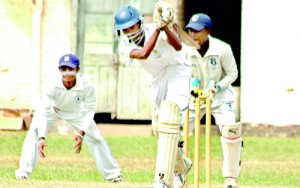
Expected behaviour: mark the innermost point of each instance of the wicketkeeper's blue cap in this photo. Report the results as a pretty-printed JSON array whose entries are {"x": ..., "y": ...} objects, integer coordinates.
[
  {"x": 199, "y": 22},
  {"x": 69, "y": 60}
]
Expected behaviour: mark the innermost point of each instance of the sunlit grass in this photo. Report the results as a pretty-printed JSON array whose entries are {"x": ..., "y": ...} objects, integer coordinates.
[{"x": 265, "y": 161}]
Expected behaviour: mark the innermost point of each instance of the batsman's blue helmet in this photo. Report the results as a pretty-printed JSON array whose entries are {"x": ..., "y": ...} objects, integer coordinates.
[{"x": 126, "y": 17}]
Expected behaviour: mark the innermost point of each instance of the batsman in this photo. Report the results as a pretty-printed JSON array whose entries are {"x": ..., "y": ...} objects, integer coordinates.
[
  {"x": 214, "y": 63},
  {"x": 156, "y": 48}
]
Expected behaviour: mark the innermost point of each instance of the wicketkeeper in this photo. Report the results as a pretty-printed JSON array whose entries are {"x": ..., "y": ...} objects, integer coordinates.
[{"x": 214, "y": 63}]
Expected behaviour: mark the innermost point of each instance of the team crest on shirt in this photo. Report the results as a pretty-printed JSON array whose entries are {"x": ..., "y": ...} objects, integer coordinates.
[
  {"x": 229, "y": 106},
  {"x": 213, "y": 62},
  {"x": 77, "y": 98}
]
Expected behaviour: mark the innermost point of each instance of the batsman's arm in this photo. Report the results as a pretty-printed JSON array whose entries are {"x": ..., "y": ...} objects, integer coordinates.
[
  {"x": 172, "y": 39},
  {"x": 162, "y": 22},
  {"x": 147, "y": 49}
]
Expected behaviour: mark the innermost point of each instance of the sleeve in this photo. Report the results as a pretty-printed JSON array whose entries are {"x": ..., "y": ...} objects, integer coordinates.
[
  {"x": 230, "y": 68},
  {"x": 89, "y": 107},
  {"x": 185, "y": 51},
  {"x": 41, "y": 112}
]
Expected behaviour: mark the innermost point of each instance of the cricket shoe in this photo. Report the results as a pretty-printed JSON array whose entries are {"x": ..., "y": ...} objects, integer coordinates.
[
  {"x": 120, "y": 178},
  {"x": 230, "y": 183},
  {"x": 179, "y": 180},
  {"x": 21, "y": 175}
]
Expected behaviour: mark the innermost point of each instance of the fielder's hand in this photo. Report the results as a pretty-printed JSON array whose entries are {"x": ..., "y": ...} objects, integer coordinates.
[
  {"x": 41, "y": 146},
  {"x": 212, "y": 89},
  {"x": 215, "y": 89},
  {"x": 79, "y": 139}
]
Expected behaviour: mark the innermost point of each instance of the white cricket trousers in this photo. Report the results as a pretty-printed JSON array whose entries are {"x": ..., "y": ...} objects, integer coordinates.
[
  {"x": 224, "y": 114},
  {"x": 105, "y": 162}
]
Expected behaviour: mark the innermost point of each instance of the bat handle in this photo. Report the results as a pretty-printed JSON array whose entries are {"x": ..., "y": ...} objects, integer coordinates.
[{"x": 176, "y": 27}]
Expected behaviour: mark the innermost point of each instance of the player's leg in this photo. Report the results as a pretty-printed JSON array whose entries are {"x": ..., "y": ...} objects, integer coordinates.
[
  {"x": 30, "y": 153},
  {"x": 182, "y": 167},
  {"x": 154, "y": 122},
  {"x": 231, "y": 141},
  {"x": 104, "y": 159},
  {"x": 231, "y": 145},
  {"x": 180, "y": 96},
  {"x": 182, "y": 164},
  {"x": 168, "y": 137}
]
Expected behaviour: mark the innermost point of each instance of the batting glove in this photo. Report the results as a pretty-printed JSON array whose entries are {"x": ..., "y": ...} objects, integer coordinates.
[
  {"x": 163, "y": 14},
  {"x": 157, "y": 18},
  {"x": 167, "y": 13}
]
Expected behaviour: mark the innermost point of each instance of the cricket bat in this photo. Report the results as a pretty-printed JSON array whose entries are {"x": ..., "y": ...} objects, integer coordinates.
[{"x": 184, "y": 37}]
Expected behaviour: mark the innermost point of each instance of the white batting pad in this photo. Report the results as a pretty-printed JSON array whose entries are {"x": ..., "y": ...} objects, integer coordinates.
[
  {"x": 231, "y": 141},
  {"x": 168, "y": 137},
  {"x": 232, "y": 131},
  {"x": 154, "y": 123},
  {"x": 169, "y": 117}
]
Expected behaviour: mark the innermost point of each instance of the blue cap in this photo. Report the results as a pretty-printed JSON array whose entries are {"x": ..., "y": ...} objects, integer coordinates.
[
  {"x": 199, "y": 22},
  {"x": 69, "y": 60}
]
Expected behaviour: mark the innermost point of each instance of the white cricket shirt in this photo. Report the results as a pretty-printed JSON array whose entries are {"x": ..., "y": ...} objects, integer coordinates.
[
  {"x": 77, "y": 103},
  {"x": 218, "y": 64},
  {"x": 164, "y": 62}
]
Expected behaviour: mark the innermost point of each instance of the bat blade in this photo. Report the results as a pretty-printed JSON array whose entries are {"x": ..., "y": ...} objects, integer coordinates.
[{"x": 185, "y": 38}]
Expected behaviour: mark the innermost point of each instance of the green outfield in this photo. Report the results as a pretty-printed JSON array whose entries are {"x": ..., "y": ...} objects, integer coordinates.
[{"x": 266, "y": 162}]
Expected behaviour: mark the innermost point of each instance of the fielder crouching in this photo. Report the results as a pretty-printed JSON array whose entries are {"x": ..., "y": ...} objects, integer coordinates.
[{"x": 71, "y": 98}]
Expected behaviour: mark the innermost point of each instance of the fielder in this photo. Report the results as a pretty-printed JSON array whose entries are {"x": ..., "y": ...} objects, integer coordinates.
[
  {"x": 73, "y": 99},
  {"x": 214, "y": 63},
  {"x": 157, "y": 50}
]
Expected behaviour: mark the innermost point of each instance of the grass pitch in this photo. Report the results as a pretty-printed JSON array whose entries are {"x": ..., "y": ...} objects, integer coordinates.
[{"x": 266, "y": 162}]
